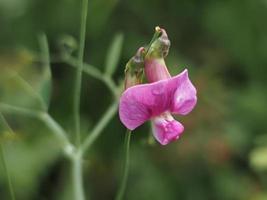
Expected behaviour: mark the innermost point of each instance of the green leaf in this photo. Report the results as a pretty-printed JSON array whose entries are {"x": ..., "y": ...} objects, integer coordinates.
[{"x": 114, "y": 53}]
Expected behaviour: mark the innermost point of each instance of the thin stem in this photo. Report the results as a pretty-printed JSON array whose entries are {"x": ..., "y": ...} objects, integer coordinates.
[
  {"x": 108, "y": 115},
  {"x": 77, "y": 177},
  {"x": 10, "y": 186},
  {"x": 45, "y": 59},
  {"x": 94, "y": 72},
  {"x": 10, "y": 130},
  {"x": 78, "y": 79},
  {"x": 47, "y": 119},
  {"x": 87, "y": 68},
  {"x": 18, "y": 110},
  {"x": 68, "y": 148},
  {"x": 111, "y": 85},
  {"x": 30, "y": 90},
  {"x": 122, "y": 188}
]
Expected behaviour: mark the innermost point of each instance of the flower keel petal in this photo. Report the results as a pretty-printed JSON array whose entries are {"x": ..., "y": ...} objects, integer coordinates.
[{"x": 166, "y": 129}]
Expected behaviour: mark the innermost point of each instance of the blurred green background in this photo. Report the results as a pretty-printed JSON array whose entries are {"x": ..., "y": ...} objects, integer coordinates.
[{"x": 223, "y": 152}]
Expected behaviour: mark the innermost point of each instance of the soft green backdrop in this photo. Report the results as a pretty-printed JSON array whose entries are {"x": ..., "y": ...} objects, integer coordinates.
[{"x": 223, "y": 152}]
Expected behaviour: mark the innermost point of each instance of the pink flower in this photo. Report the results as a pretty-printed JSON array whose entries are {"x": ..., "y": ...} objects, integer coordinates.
[{"x": 158, "y": 100}]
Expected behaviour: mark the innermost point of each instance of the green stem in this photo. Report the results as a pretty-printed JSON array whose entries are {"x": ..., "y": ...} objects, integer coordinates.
[
  {"x": 10, "y": 186},
  {"x": 107, "y": 116},
  {"x": 77, "y": 175},
  {"x": 47, "y": 119},
  {"x": 87, "y": 68},
  {"x": 77, "y": 158},
  {"x": 46, "y": 60},
  {"x": 78, "y": 78},
  {"x": 68, "y": 148},
  {"x": 31, "y": 91},
  {"x": 122, "y": 188},
  {"x": 94, "y": 72},
  {"x": 6, "y": 124},
  {"x": 18, "y": 110},
  {"x": 111, "y": 85}
]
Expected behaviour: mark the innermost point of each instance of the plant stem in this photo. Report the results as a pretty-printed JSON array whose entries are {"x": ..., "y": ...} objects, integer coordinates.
[
  {"x": 10, "y": 186},
  {"x": 87, "y": 68},
  {"x": 47, "y": 119},
  {"x": 77, "y": 176},
  {"x": 18, "y": 110},
  {"x": 94, "y": 72},
  {"x": 6, "y": 124},
  {"x": 68, "y": 148},
  {"x": 31, "y": 91},
  {"x": 77, "y": 157},
  {"x": 122, "y": 188},
  {"x": 78, "y": 78},
  {"x": 111, "y": 85},
  {"x": 100, "y": 126},
  {"x": 46, "y": 60}
]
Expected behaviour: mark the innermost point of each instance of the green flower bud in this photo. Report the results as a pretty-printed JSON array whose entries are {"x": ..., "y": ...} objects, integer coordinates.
[{"x": 134, "y": 69}]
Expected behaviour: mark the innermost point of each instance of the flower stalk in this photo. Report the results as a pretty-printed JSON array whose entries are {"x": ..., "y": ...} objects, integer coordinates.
[
  {"x": 78, "y": 78},
  {"x": 77, "y": 165},
  {"x": 122, "y": 187},
  {"x": 77, "y": 174}
]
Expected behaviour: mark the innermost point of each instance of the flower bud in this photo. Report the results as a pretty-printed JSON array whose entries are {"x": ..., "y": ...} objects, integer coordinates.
[
  {"x": 67, "y": 44},
  {"x": 155, "y": 67},
  {"x": 160, "y": 46},
  {"x": 134, "y": 69}
]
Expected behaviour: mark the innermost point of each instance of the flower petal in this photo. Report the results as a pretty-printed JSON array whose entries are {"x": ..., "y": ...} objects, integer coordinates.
[
  {"x": 185, "y": 97},
  {"x": 155, "y": 70},
  {"x": 141, "y": 102},
  {"x": 166, "y": 129}
]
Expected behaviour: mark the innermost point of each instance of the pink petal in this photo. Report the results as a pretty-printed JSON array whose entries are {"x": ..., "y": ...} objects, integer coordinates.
[
  {"x": 185, "y": 97},
  {"x": 166, "y": 129},
  {"x": 155, "y": 70},
  {"x": 141, "y": 102}
]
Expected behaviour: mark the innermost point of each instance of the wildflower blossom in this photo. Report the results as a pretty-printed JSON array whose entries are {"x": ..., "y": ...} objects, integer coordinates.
[{"x": 159, "y": 99}]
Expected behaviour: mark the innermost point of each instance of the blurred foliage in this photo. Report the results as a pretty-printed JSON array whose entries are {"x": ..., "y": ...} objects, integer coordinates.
[
  {"x": 25, "y": 82},
  {"x": 259, "y": 158},
  {"x": 114, "y": 54},
  {"x": 222, "y": 154}
]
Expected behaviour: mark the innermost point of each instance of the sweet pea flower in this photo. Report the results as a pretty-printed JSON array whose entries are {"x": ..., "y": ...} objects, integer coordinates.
[{"x": 160, "y": 98}]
